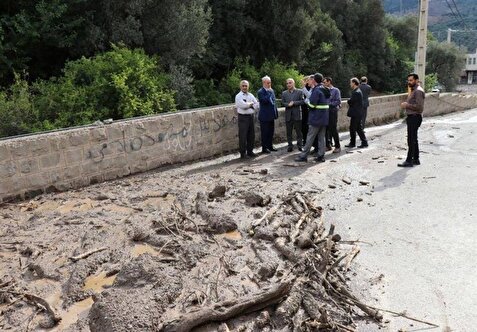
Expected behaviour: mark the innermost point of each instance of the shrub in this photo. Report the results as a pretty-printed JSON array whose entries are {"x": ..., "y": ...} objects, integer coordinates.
[
  {"x": 17, "y": 114},
  {"x": 118, "y": 84}
]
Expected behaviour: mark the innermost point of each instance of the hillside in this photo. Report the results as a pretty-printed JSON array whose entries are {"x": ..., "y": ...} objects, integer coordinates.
[{"x": 441, "y": 18}]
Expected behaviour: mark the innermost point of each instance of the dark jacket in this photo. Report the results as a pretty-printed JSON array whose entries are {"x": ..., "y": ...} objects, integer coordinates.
[
  {"x": 268, "y": 108},
  {"x": 366, "y": 91},
  {"x": 296, "y": 96},
  {"x": 318, "y": 106},
  {"x": 355, "y": 104}
]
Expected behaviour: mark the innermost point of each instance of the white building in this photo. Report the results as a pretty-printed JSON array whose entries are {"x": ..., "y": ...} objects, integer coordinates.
[{"x": 470, "y": 75}]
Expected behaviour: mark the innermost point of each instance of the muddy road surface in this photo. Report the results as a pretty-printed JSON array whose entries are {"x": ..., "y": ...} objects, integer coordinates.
[{"x": 262, "y": 245}]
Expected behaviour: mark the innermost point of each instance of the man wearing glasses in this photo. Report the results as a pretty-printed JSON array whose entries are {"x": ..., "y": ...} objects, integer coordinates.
[{"x": 246, "y": 105}]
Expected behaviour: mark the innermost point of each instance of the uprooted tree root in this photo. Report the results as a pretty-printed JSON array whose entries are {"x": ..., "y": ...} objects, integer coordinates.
[{"x": 310, "y": 291}]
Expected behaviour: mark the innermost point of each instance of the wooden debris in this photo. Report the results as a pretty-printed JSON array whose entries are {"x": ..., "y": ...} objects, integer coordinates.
[
  {"x": 87, "y": 254},
  {"x": 346, "y": 180},
  {"x": 223, "y": 311}
]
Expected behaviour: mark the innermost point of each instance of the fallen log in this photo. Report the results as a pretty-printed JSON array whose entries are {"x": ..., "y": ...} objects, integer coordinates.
[
  {"x": 288, "y": 308},
  {"x": 223, "y": 311}
]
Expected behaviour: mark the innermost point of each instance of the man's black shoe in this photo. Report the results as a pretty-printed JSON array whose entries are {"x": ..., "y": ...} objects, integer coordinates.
[
  {"x": 362, "y": 146},
  {"x": 244, "y": 156},
  {"x": 405, "y": 164},
  {"x": 290, "y": 149},
  {"x": 320, "y": 159},
  {"x": 301, "y": 159},
  {"x": 273, "y": 149},
  {"x": 252, "y": 155},
  {"x": 265, "y": 151},
  {"x": 416, "y": 162},
  {"x": 350, "y": 145},
  {"x": 300, "y": 148}
]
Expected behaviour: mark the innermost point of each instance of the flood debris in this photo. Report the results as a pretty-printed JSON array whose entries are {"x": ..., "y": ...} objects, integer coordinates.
[{"x": 160, "y": 254}]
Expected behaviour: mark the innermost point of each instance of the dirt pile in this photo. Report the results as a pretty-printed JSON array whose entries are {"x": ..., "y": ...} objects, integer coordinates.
[{"x": 236, "y": 251}]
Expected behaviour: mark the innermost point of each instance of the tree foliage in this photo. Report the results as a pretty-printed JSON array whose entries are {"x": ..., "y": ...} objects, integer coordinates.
[
  {"x": 446, "y": 60},
  {"x": 190, "y": 53}
]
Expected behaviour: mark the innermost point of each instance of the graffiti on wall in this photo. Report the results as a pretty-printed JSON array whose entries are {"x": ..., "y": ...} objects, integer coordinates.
[{"x": 170, "y": 139}]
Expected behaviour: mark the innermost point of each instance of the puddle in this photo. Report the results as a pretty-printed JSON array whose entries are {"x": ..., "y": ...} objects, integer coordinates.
[
  {"x": 233, "y": 235},
  {"x": 98, "y": 282},
  {"x": 73, "y": 314},
  {"x": 144, "y": 248}
]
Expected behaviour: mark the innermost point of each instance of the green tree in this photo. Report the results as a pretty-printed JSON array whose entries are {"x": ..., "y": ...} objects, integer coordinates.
[
  {"x": 176, "y": 30},
  {"x": 447, "y": 61}
]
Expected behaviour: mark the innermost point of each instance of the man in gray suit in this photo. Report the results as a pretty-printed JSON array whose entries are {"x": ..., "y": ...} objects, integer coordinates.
[
  {"x": 366, "y": 91},
  {"x": 292, "y": 99}
]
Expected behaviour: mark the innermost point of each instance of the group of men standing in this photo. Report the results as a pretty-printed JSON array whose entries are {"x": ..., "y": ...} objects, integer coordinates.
[{"x": 312, "y": 112}]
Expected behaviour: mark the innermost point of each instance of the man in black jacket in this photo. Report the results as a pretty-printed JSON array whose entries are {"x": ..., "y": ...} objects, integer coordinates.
[
  {"x": 366, "y": 91},
  {"x": 355, "y": 112}
]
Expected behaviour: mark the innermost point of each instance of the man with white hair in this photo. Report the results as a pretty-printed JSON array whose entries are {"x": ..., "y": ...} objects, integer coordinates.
[
  {"x": 267, "y": 114},
  {"x": 292, "y": 99},
  {"x": 246, "y": 105}
]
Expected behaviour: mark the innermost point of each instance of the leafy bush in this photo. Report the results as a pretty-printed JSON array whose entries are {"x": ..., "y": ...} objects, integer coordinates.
[
  {"x": 279, "y": 73},
  {"x": 17, "y": 114},
  {"x": 243, "y": 70},
  {"x": 118, "y": 84}
]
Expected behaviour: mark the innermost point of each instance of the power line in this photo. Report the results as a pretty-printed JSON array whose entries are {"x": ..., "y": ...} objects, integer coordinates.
[
  {"x": 460, "y": 15},
  {"x": 457, "y": 15}
]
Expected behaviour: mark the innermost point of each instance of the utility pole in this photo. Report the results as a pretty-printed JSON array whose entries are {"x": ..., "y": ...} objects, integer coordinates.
[
  {"x": 422, "y": 41},
  {"x": 449, "y": 32}
]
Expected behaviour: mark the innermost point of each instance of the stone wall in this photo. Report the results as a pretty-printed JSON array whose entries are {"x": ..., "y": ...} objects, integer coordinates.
[{"x": 62, "y": 160}]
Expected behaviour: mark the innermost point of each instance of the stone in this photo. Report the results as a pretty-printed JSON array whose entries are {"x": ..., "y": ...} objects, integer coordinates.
[
  {"x": 51, "y": 160},
  {"x": 7, "y": 169},
  {"x": 28, "y": 166}
]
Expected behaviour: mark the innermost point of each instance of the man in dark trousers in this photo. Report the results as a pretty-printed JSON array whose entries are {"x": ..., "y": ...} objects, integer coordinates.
[
  {"x": 414, "y": 106},
  {"x": 335, "y": 104},
  {"x": 355, "y": 113},
  {"x": 292, "y": 99},
  {"x": 366, "y": 91},
  {"x": 246, "y": 105},
  {"x": 267, "y": 114},
  {"x": 317, "y": 119}
]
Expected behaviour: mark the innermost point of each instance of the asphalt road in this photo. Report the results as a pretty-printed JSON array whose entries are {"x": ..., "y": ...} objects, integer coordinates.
[{"x": 419, "y": 224}]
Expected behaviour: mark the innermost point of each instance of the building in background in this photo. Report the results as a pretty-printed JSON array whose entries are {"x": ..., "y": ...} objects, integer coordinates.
[{"x": 469, "y": 76}]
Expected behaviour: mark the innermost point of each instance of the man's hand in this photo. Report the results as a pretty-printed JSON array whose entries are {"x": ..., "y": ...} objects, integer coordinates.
[
  {"x": 290, "y": 104},
  {"x": 404, "y": 105}
]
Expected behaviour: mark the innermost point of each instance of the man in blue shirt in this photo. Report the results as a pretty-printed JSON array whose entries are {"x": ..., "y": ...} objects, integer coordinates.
[
  {"x": 335, "y": 104},
  {"x": 267, "y": 114}
]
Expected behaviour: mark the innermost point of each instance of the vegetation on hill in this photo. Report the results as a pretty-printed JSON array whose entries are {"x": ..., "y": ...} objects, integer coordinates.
[
  {"x": 59, "y": 65},
  {"x": 443, "y": 15}
]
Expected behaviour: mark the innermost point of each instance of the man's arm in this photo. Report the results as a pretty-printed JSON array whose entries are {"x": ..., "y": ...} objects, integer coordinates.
[
  {"x": 240, "y": 102},
  {"x": 285, "y": 99},
  {"x": 264, "y": 96},
  {"x": 299, "y": 100}
]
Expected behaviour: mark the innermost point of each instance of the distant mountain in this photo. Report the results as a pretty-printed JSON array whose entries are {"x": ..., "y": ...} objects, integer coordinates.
[{"x": 443, "y": 15}]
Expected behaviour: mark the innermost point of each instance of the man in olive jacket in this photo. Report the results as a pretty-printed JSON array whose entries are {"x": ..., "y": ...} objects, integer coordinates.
[
  {"x": 292, "y": 99},
  {"x": 355, "y": 113}
]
